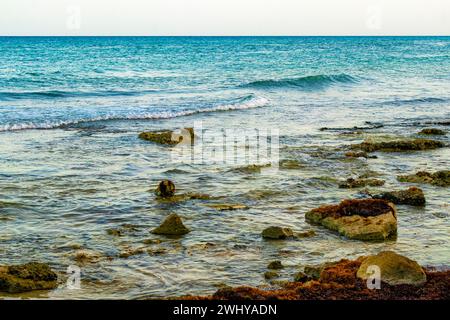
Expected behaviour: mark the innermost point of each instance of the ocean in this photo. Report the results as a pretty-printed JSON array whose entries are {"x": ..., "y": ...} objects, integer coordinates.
[{"x": 72, "y": 165}]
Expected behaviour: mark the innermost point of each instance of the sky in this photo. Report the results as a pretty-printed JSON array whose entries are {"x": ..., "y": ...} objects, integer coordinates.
[{"x": 224, "y": 17}]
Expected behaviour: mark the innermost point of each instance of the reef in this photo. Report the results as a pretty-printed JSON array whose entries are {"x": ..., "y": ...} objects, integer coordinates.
[
  {"x": 438, "y": 178},
  {"x": 358, "y": 183},
  {"x": 399, "y": 145}
]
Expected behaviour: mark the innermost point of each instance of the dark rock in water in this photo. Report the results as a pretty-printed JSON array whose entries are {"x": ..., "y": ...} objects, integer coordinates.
[
  {"x": 275, "y": 265},
  {"x": 172, "y": 225},
  {"x": 166, "y": 188},
  {"x": 399, "y": 145},
  {"x": 290, "y": 164},
  {"x": 277, "y": 233},
  {"x": 114, "y": 232},
  {"x": 301, "y": 277},
  {"x": 413, "y": 196},
  {"x": 356, "y": 154},
  {"x": 27, "y": 277},
  {"x": 362, "y": 219},
  {"x": 271, "y": 274},
  {"x": 432, "y": 131},
  {"x": 439, "y": 178},
  {"x": 305, "y": 234},
  {"x": 372, "y": 127},
  {"x": 358, "y": 183},
  {"x": 228, "y": 206},
  {"x": 395, "y": 269},
  {"x": 251, "y": 168},
  {"x": 168, "y": 137}
]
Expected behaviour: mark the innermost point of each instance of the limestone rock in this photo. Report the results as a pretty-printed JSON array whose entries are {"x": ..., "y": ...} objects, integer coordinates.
[
  {"x": 439, "y": 178},
  {"x": 365, "y": 219},
  {"x": 172, "y": 225},
  {"x": 399, "y": 145},
  {"x": 395, "y": 269},
  {"x": 412, "y": 196},
  {"x": 277, "y": 233},
  {"x": 358, "y": 183},
  {"x": 27, "y": 277}
]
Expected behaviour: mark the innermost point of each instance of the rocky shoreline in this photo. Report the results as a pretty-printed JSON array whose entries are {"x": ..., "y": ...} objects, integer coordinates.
[{"x": 371, "y": 219}]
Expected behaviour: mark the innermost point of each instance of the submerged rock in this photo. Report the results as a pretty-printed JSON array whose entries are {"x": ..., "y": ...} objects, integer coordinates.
[
  {"x": 439, "y": 178},
  {"x": 271, "y": 274},
  {"x": 432, "y": 131},
  {"x": 358, "y": 154},
  {"x": 365, "y": 219},
  {"x": 277, "y": 233},
  {"x": 289, "y": 164},
  {"x": 395, "y": 269},
  {"x": 399, "y": 145},
  {"x": 27, "y": 277},
  {"x": 412, "y": 196},
  {"x": 305, "y": 234},
  {"x": 251, "y": 168},
  {"x": 172, "y": 225},
  {"x": 275, "y": 265},
  {"x": 358, "y": 183},
  {"x": 228, "y": 206},
  {"x": 165, "y": 189},
  {"x": 168, "y": 137}
]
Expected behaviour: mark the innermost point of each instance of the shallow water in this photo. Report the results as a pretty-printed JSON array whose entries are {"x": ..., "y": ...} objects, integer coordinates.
[{"x": 72, "y": 167}]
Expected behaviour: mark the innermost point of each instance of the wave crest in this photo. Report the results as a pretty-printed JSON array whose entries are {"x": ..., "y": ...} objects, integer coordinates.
[
  {"x": 249, "y": 102},
  {"x": 306, "y": 83}
]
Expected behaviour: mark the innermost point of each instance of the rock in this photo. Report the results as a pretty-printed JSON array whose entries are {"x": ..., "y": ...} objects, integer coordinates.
[
  {"x": 439, "y": 178},
  {"x": 270, "y": 275},
  {"x": 156, "y": 252},
  {"x": 305, "y": 234},
  {"x": 227, "y": 206},
  {"x": 27, "y": 277},
  {"x": 432, "y": 131},
  {"x": 275, "y": 265},
  {"x": 301, "y": 277},
  {"x": 399, "y": 145},
  {"x": 356, "y": 154},
  {"x": 165, "y": 189},
  {"x": 114, "y": 232},
  {"x": 289, "y": 164},
  {"x": 413, "y": 196},
  {"x": 172, "y": 225},
  {"x": 313, "y": 272},
  {"x": 358, "y": 183},
  {"x": 364, "y": 219},
  {"x": 131, "y": 252},
  {"x": 84, "y": 256},
  {"x": 395, "y": 269},
  {"x": 252, "y": 168},
  {"x": 168, "y": 137},
  {"x": 277, "y": 233}
]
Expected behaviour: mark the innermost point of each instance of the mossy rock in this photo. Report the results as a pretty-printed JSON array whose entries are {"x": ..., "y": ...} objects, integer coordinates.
[
  {"x": 439, "y": 178},
  {"x": 275, "y": 265},
  {"x": 412, "y": 196},
  {"x": 366, "y": 219},
  {"x": 305, "y": 234},
  {"x": 399, "y": 145},
  {"x": 302, "y": 277},
  {"x": 432, "y": 131},
  {"x": 271, "y": 275},
  {"x": 395, "y": 269},
  {"x": 27, "y": 277},
  {"x": 277, "y": 233},
  {"x": 172, "y": 225},
  {"x": 168, "y": 137},
  {"x": 359, "y": 183}
]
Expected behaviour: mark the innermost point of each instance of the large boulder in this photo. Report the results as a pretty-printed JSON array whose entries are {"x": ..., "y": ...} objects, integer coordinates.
[
  {"x": 27, "y": 277},
  {"x": 172, "y": 225},
  {"x": 395, "y": 269},
  {"x": 366, "y": 219},
  {"x": 399, "y": 145},
  {"x": 412, "y": 196},
  {"x": 277, "y": 233},
  {"x": 169, "y": 137},
  {"x": 439, "y": 178}
]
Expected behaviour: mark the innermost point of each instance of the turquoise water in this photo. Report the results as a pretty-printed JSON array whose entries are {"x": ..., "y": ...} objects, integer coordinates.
[{"x": 71, "y": 165}]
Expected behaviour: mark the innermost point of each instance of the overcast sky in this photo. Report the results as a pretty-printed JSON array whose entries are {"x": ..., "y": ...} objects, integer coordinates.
[{"x": 224, "y": 17}]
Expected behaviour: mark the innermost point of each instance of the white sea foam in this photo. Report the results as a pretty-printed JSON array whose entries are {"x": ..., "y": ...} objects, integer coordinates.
[{"x": 255, "y": 102}]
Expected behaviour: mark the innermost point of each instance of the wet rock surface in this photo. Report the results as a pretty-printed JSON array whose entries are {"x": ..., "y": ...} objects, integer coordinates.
[
  {"x": 275, "y": 265},
  {"x": 366, "y": 219},
  {"x": 172, "y": 225},
  {"x": 399, "y": 145},
  {"x": 438, "y": 178},
  {"x": 412, "y": 196},
  {"x": 27, "y": 277}
]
